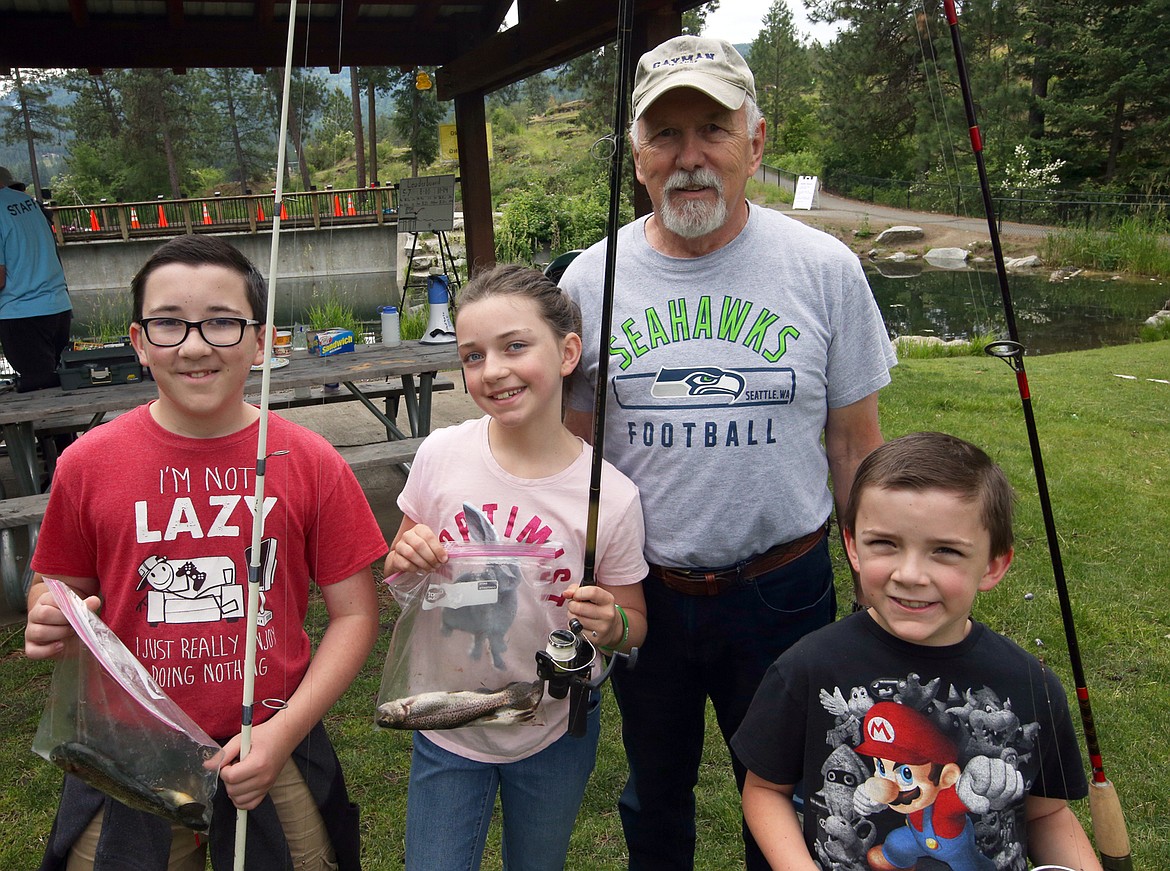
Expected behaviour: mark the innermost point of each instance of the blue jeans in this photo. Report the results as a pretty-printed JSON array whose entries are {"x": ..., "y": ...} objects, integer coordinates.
[
  {"x": 450, "y": 799},
  {"x": 700, "y": 647}
]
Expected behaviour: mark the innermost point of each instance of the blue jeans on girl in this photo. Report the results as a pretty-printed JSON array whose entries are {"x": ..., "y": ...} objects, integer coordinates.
[{"x": 450, "y": 799}]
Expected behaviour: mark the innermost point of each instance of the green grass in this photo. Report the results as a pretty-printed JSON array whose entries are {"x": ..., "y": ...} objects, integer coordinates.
[
  {"x": 110, "y": 322},
  {"x": 768, "y": 194},
  {"x": 1135, "y": 246},
  {"x": 1158, "y": 332},
  {"x": 331, "y": 313},
  {"x": 413, "y": 323},
  {"x": 1106, "y": 445},
  {"x": 932, "y": 348}
]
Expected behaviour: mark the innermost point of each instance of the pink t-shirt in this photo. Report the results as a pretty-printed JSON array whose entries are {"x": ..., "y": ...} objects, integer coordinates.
[
  {"x": 164, "y": 523},
  {"x": 455, "y": 465}
]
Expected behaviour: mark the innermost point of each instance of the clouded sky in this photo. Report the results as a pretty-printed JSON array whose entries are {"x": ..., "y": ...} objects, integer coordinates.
[{"x": 740, "y": 21}]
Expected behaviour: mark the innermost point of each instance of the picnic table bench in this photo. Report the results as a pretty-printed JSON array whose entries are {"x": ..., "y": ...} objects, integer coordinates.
[{"x": 407, "y": 373}]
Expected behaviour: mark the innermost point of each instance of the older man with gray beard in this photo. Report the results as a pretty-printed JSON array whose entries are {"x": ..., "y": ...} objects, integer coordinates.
[{"x": 745, "y": 358}]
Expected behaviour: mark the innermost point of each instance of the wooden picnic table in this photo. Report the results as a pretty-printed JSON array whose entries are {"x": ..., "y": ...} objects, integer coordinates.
[{"x": 363, "y": 376}]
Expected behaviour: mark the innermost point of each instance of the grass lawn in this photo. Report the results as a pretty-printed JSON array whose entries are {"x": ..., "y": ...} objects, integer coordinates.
[{"x": 1106, "y": 444}]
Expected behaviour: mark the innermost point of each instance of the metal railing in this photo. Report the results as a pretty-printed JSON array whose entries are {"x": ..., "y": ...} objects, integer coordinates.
[
  {"x": 249, "y": 213},
  {"x": 773, "y": 175},
  {"x": 1088, "y": 209}
]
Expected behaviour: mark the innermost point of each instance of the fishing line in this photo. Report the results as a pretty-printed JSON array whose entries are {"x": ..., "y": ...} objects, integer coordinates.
[
  {"x": 575, "y": 679},
  {"x": 1109, "y": 828},
  {"x": 1038, "y": 643},
  {"x": 924, "y": 28},
  {"x": 625, "y": 27},
  {"x": 254, "y": 563},
  {"x": 933, "y": 76}
]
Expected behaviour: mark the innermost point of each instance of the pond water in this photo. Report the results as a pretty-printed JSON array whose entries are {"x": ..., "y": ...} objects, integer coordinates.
[
  {"x": 1068, "y": 315},
  {"x": 1051, "y": 316}
]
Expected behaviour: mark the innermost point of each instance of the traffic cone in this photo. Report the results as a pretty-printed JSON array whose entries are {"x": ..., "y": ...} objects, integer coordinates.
[
  {"x": 134, "y": 225},
  {"x": 93, "y": 221},
  {"x": 349, "y": 209},
  {"x": 206, "y": 215},
  {"x": 162, "y": 217},
  {"x": 336, "y": 206},
  {"x": 260, "y": 211},
  {"x": 283, "y": 212}
]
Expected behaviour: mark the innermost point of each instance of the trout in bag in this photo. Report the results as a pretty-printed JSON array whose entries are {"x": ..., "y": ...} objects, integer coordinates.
[
  {"x": 514, "y": 703},
  {"x": 102, "y": 773}
]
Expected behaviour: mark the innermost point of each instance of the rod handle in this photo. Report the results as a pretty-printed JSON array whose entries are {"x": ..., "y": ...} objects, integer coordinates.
[{"x": 1109, "y": 827}]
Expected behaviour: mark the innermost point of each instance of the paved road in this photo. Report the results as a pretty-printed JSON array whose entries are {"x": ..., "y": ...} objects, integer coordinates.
[{"x": 831, "y": 206}]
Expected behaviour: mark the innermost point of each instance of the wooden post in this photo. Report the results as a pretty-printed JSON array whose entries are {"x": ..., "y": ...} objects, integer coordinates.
[{"x": 475, "y": 185}]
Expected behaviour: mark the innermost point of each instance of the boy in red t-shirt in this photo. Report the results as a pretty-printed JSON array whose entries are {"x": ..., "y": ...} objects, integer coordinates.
[{"x": 150, "y": 520}]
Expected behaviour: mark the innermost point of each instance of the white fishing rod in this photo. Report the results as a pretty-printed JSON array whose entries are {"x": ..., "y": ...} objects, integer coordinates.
[{"x": 256, "y": 558}]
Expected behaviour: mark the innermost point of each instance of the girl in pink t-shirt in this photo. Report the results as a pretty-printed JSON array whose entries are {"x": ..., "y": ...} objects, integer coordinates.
[{"x": 518, "y": 337}]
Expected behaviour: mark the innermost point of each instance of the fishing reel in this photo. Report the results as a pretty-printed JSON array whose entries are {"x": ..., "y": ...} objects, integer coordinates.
[{"x": 566, "y": 664}]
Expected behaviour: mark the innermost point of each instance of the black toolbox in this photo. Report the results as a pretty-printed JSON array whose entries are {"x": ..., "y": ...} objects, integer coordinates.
[{"x": 96, "y": 367}]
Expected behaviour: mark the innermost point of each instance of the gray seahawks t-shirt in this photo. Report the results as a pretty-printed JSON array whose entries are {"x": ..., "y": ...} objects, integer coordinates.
[{"x": 722, "y": 369}]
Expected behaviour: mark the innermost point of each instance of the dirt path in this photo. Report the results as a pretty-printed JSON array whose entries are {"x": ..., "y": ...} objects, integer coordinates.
[{"x": 846, "y": 219}]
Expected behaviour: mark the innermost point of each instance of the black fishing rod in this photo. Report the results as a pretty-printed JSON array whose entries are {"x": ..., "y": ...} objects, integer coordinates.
[
  {"x": 625, "y": 26},
  {"x": 567, "y": 663},
  {"x": 1109, "y": 830}
]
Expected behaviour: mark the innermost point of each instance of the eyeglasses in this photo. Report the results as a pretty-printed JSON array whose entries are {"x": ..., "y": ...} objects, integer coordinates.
[{"x": 219, "y": 332}]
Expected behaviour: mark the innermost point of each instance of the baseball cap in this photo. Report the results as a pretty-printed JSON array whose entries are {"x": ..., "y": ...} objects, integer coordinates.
[
  {"x": 5, "y": 177},
  {"x": 708, "y": 65},
  {"x": 894, "y": 731}
]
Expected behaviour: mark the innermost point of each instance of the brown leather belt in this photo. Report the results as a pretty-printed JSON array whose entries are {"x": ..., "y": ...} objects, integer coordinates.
[{"x": 712, "y": 582}]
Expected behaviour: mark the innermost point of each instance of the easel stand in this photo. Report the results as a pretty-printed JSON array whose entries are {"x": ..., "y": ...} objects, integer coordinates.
[{"x": 446, "y": 258}]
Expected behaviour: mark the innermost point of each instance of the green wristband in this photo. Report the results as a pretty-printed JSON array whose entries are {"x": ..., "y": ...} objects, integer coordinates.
[{"x": 625, "y": 630}]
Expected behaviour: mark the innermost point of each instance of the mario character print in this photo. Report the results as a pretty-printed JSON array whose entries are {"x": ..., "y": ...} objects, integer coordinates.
[{"x": 919, "y": 782}]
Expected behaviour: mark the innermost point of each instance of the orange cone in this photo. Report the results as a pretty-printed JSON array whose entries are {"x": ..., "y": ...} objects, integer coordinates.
[
  {"x": 134, "y": 225},
  {"x": 162, "y": 217},
  {"x": 283, "y": 212},
  {"x": 336, "y": 206},
  {"x": 206, "y": 215},
  {"x": 260, "y": 211},
  {"x": 93, "y": 221},
  {"x": 349, "y": 209}
]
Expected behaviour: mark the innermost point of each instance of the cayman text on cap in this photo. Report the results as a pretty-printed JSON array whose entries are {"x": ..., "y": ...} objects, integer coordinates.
[{"x": 708, "y": 65}]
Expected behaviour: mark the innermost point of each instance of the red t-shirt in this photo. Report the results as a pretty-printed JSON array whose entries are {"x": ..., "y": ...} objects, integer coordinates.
[{"x": 164, "y": 523}]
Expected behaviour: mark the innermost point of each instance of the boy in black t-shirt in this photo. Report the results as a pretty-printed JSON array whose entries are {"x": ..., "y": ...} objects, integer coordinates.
[{"x": 923, "y": 738}]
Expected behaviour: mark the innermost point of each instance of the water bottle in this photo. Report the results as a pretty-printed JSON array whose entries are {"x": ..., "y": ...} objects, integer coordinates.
[
  {"x": 391, "y": 336},
  {"x": 300, "y": 338}
]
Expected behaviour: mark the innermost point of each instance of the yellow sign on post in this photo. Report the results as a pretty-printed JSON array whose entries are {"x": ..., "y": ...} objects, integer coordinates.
[{"x": 449, "y": 143}]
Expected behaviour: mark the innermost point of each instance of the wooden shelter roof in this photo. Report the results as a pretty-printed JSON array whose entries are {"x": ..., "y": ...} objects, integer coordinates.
[{"x": 461, "y": 37}]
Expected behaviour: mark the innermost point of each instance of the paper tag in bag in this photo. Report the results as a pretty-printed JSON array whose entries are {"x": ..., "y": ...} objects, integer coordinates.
[{"x": 462, "y": 594}]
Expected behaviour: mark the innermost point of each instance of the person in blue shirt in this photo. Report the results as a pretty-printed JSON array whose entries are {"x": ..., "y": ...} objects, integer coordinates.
[{"x": 35, "y": 312}]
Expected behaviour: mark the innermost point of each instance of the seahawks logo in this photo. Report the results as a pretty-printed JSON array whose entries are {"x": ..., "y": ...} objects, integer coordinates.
[
  {"x": 705, "y": 387},
  {"x": 704, "y": 381}
]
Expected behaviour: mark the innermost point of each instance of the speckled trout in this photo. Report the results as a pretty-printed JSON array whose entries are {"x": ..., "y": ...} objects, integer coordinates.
[
  {"x": 103, "y": 773},
  {"x": 515, "y": 703}
]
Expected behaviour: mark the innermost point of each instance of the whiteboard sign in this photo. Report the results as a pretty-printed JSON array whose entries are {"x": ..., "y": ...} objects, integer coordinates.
[
  {"x": 806, "y": 192},
  {"x": 426, "y": 204}
]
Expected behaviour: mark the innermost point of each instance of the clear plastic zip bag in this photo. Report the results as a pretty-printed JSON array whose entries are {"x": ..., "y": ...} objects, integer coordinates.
[
  {"x": 463, "y": 648},
  {"x": 108, "y": 722}
]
